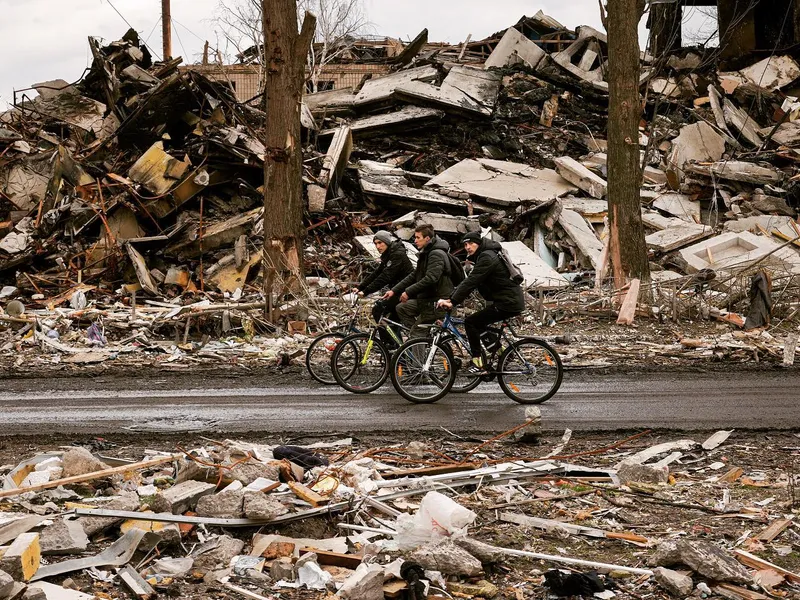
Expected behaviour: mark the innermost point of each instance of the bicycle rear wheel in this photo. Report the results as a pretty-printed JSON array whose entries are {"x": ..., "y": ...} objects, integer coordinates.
[
  {"x": 464, "y": 382},
  {"x": 318, "y": 357},
  {"x": 360, "y": 363},
  {"x": 416, "y": 383},
  {"x": 530, "y": 371}
]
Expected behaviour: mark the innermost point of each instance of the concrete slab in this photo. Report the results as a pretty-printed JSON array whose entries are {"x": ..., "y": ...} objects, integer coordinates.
[
  {"x": 465, "y": 90},
  {"x": 502, "y": 183},
  {"x": 574, "y": 172},
  {"x": 537, "y": 273},
  {"x": 335, "y": 160},
  {"x": 741, "y": 122},
  {"x": 592, "y": 209},
  {"x": 735, "y": 170},
  {"x": 581, "y": 232},
  {"x": 733, "y": 251},
  {"x": 514, "y": 48},
  {"x": 381, "y": 90},
  {"x": 773, "y": 73},
  {"x": 680, "y": 206},
  {"x": 787, "y": 134},
  {"x": 659, "y": 222},
  {"x": 673, "y": 238},
  {"x": 772, "y": 224},
  {"x": 697, "y": 142},
  {"x": 405, "y": 119}
]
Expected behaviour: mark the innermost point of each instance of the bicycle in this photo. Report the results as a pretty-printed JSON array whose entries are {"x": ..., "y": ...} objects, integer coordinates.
[
  {"x": 320, "y": 351},
  {"x": 360, "y": 361},
  {"x": 528, "y": 370}
]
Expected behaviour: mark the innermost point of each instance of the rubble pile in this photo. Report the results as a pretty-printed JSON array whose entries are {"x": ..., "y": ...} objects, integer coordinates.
[
  {"x": 423, "y": 519},
  {"x": 131, "y": 200}
]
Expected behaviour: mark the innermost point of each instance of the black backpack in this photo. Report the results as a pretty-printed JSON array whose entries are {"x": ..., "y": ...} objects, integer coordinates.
[{"x": 455, "y": 270}]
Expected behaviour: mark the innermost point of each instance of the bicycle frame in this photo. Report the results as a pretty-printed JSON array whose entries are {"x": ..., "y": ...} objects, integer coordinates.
[{"x": 382, "y": 325}]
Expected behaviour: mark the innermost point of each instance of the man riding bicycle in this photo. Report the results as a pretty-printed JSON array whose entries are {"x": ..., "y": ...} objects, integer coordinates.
[
  {"x": 431, "y": 280},
  {"x": 493, "y": 281},
  {"x": 395, "y": 266}
]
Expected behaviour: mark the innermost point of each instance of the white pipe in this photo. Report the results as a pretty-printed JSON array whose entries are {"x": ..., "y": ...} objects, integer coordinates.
[{"x": 573, "y": 561}]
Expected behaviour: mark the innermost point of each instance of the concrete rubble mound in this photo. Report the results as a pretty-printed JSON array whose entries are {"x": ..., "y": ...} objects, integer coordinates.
[
  {"x": 375, "y": 522},
  {"x": 131, "y": 216}
]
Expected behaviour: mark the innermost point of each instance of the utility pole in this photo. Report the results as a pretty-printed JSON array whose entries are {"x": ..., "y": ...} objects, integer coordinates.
[
  {"x": 627, "y": 248},
  {"x": 166, "y": 30},
  {"x": 285, "y": 52}
]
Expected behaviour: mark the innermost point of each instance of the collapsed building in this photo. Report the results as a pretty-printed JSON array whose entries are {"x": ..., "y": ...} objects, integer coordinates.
[{"x": 145, "y": 177}]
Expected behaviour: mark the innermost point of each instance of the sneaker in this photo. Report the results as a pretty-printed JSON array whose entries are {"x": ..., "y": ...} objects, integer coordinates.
[{"x": 476, "y": 367}]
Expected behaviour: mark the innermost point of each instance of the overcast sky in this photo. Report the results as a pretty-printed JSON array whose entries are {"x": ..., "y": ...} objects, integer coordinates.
[{"x": 47, "y": 39}]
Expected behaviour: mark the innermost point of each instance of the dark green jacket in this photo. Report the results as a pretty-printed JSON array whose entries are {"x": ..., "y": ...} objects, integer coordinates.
[
  {"x": 395, "y": 266},
  {"x": 431, "y": 279},
  {"x": 491, "y": 278}
]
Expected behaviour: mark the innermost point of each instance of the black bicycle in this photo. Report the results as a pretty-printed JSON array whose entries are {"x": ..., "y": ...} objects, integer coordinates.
[
  {"x": 320, "y": 351},
  {"x": 528, "y": 369}
]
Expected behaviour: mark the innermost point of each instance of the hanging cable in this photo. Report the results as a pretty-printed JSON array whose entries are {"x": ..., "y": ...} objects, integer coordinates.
[
  {"x": 180, "y": 41},
  {"x": 132, "y": 27}
]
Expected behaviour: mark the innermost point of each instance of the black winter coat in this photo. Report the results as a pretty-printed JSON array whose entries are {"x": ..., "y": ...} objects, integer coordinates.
[
  {"x": 395, "y": 266},
  {"x": 431, "y": 279},
  {"x": 491, "y": 278}
]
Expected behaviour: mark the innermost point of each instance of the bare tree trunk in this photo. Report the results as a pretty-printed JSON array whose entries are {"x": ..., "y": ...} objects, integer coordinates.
[
  {"x": 285, "y": 52},
  {"x": 627, "y": 249}
]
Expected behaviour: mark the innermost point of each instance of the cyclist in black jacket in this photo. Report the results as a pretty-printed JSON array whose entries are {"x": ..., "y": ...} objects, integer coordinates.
[
  {"x": 395, "y": 266},
  {"x": 491, "y": 278}
]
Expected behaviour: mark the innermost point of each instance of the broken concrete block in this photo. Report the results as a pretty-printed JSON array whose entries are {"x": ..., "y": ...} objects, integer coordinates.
[
  {"x": 248, "y": 472},
  {"x": 676, "y": 237},
  {"x": 771, "y": 204},
  {"x": 91, "y": 525},
  {"x": 741, "y": 122},
  {"x": 447, "y": 558},
  {"x": 181, "y": 497},
  {"x": 465, "y": 90},
  {"x": 33, "y": 593},
  {"x": 217, "y": 552},
  {"x": 666, "y": 554},
  {"x": 485, "y": 553},
  {"x": 225, "y": 505},
  {"x": 501, "y": 182},
  {"x": 58, "y": 592},
  {"x": 80, "y": 461},
  {"x": 514, "y": 48},
  {"x": 675, "y": 583},
  {"x": 713, "y": 562},
  {"x": 680, "y": 206},
  {"x": 773, "y": 73},
  {"x": 64, "y": 536},
  {"x": 574, "y": 172},
  {"x": 580, "y": 232},
  {"x": 335, "y": 161},
  {"x": 381, "y": 90},
  {"x": 729, "y": 251},
  {"x": 636, "y": 472},
  {"x": 698, "y": 142},
  {"x": 6, "y": 584},
  {"x": 258, "y": 505},
  {"x": 21, "y": 560},
  {"x": 365, "y": 584},
  {"x": 282, "y": 569},
  {"x": 17, "y": 590}
]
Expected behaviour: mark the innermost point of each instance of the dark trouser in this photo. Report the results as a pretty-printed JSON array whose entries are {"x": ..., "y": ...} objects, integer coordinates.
[
  {"x": 386, "y": 308},
  {"x": 477, "y": 322},
  {"x": 416, "y": 312}
]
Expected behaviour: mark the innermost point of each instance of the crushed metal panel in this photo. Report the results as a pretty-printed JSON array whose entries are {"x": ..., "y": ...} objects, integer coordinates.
[
  {"x": 124, "y": 225},
  {"x": 48, "y": 90},
  {"x": 156, "y": 170},
  {"x": 581, "y": 232},
  {"x": 773, "y": 73},
  {"x": 335, "y": 160},
  {"x": 142, "y": 272},
  {"x": 73, "y": 109},
  {"x": 26, "y": 183},
  {"x": 734, "y": 251},
  {"x": 514, "y": 48},
  {"x": 465, "y": 89},
  {"x": 537, "y": 273},
  {"x": 501, "y": 182}
]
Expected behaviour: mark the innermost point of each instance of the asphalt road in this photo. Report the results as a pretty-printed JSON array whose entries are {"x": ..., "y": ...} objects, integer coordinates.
[{"x": 586, "y": 401}]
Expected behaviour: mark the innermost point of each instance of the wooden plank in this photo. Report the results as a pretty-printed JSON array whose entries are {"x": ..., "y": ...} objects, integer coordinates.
[
  {"x": 734, "y": 592},
  {"x": 755, "y": 562},
  {"x": 731, "y": 476},
  {"x": 628, "y": 310},
  {"x": 307, "y": 494},
  {"x": 90, "y": 476},
  {"x": 135, "y": 583},
  {"x": 774, "y": 530},
  {"x": 334, "y": 559}
]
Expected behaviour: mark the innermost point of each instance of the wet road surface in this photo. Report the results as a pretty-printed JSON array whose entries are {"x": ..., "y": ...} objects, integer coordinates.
[{"x": 587, "y": 401}]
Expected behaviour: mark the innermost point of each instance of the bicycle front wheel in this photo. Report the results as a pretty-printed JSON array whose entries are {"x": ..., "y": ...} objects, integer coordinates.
[
  {"x": 318, "y": 357},
  {"x": 530, "y": 371},
  {"x": 464, "y": 381},
  {"x": 360, "y": 363},
  {"x": 422, "y": 372}
]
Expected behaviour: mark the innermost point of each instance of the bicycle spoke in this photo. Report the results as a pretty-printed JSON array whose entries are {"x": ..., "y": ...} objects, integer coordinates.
[{"x": 530, "y": 372}]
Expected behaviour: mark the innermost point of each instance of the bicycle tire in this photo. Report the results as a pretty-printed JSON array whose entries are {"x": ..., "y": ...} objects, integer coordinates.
[
  {"x": 355, "y": 373},
  {"x": 538, "y": 356},
  {"x": 320, "y": 368},
  {"x": 405, "y": 363},
  {"x": 461, "y": 359}
]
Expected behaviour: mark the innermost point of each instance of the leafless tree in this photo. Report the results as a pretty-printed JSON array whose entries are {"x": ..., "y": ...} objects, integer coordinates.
[{"x": 338, "y": 23}]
